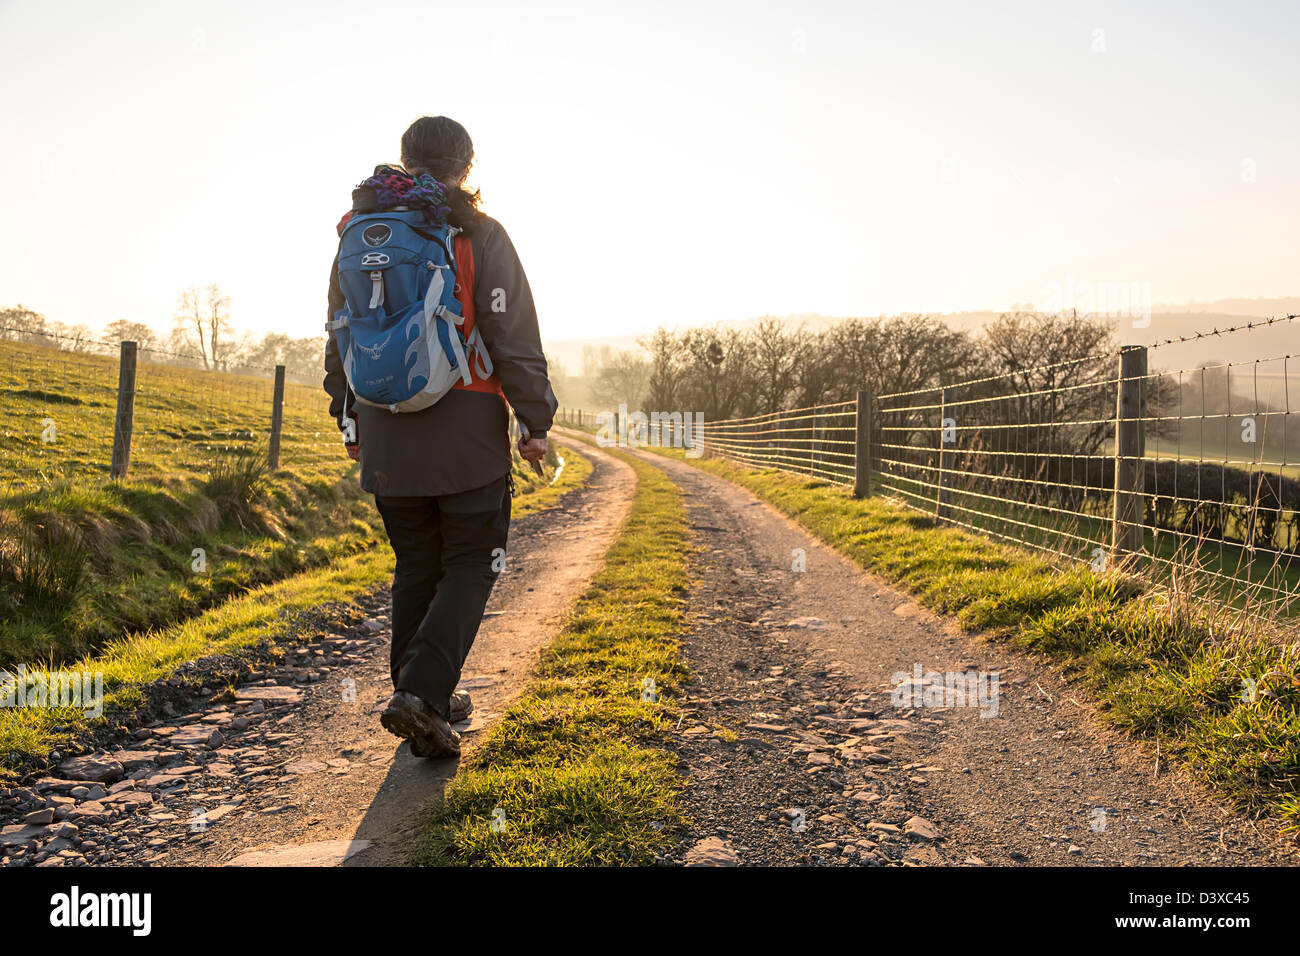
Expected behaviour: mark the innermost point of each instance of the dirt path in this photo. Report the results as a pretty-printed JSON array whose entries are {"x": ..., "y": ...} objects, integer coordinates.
[
  {"x": 796, "y": 753},
  {"x": 302, "y": 773},
  {"x": 551, "y": 556}
]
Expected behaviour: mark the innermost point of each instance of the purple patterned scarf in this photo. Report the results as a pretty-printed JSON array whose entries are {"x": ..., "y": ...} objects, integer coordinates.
[{"x": 394, "y": 186}]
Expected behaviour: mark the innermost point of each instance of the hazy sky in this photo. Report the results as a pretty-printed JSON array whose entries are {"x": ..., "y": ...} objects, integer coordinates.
[{"x": 666, "y": 162}]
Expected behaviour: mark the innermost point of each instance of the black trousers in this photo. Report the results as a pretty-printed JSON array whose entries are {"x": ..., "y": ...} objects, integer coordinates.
[{"x": 449, "y": 550}]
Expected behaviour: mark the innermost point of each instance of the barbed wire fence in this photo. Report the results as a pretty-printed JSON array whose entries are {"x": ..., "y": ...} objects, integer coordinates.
[
  {"x": 77, "y": 409},
  {"x": 1222, "y": 488},
  {"x": 1019, "y": 457},
  {"x": 1100, "y": 458}
]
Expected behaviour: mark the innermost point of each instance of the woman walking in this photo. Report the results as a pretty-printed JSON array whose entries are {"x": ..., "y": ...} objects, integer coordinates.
[{"x": 441, "y": 475}]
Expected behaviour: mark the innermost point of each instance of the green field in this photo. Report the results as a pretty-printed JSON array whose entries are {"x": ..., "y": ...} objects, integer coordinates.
[
  {"x": 199, "y": 519},
  {"x": 56, "y": 420},
  {"x": 1270, "y": 454}
]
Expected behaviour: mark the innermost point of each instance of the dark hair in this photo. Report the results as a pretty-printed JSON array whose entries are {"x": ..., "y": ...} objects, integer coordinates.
[{"x": 441, "y": 147}]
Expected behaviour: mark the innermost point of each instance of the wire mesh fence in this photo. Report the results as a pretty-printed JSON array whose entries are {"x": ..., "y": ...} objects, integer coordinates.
[
  {"x": 60, "y": 411},
  {"x": 1094, "y": 459},
  {"x": 1221, "y": 480},
  {"x": 1021, "y": 457},
  {"x": 818, "y": 440}
]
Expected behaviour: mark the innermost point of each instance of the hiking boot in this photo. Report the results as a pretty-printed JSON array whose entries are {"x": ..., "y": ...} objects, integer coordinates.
[
  {"x": 460, "y": 707},
  {"x": 410, "y": 717}
]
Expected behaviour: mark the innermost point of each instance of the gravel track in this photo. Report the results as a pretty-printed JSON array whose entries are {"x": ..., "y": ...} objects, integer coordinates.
[{"x": 796, "y": 752}]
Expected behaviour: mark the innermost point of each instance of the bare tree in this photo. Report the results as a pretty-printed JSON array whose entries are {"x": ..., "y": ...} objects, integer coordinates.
[
  {"x": 120, "y": 330},
  {"x": 189, "y": 322},
  {"x": 22, "y": 324},
  {"x": 664, "y": 384},
  {"x": 775, "y": 356},
  {"x": 205, "y": 318},
  {"x": 300, "y": 357},
  {"x": 616, "y": 377},
  {"x": 570, "y": 390},
  {"x": 917, "y": 351},
  {"x": 72, "y": 338},
  {"x": 717, "y": 373}
]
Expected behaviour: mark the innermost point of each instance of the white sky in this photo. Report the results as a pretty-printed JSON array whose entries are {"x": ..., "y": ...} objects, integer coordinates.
[{"x": 677, "y": 162}]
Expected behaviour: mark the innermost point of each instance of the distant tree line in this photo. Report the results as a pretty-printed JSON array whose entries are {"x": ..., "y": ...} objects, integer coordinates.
[{"x": 728, "y": 372}]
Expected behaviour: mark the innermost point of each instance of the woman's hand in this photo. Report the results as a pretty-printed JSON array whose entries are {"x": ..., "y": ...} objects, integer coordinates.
[{"x": 533, "y": 450}]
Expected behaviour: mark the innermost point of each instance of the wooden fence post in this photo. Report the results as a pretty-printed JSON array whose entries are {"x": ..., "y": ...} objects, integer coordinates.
[
  {"x": 124, "y": 420},
  {"x": 1130, "y": 452},
  {"x": 862, "y": 447},
  {"x": 780, "y": 438},
  {"x": 943, "y": 504},
  {"x": 813, "y": 448},
  {"x": 277, "y": 419}
]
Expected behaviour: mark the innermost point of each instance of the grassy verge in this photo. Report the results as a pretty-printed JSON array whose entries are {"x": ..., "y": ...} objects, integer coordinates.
[
  {"x": 267, "y": 613},
  {"x": 1218, "y": 694},
  {"x": 29, "y": 734},
  {"x": 574, "y": 772},
  {"x": 565, "y": 469},
  {"x": 81, "y": 564}
]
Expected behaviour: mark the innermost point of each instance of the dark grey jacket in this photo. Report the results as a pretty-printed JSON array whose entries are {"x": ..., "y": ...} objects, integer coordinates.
[{"x": 461, "y": 442}]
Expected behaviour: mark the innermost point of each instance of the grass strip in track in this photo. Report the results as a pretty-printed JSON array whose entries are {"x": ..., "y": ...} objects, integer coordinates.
[{"x": 575, "y": 773}]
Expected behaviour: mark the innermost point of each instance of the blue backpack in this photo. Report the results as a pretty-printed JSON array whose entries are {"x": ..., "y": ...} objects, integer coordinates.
[{"x": 400, "y": 335}]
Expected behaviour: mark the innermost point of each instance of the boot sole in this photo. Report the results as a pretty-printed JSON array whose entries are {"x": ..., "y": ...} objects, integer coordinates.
[{"x": 422, "y": 734}]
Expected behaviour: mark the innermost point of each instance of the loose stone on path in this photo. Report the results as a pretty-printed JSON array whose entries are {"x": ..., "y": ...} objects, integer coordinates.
[{"x": 712, "y": 851}]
